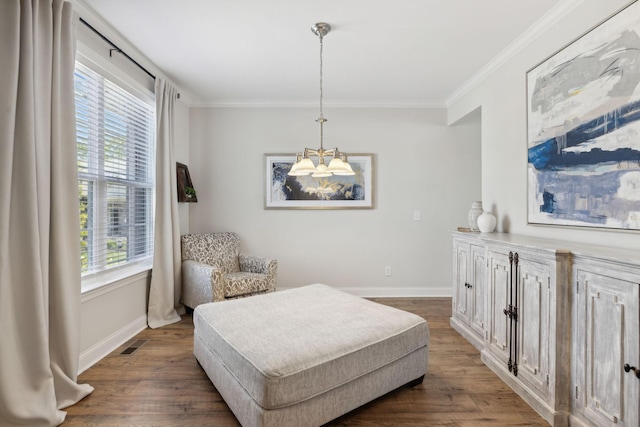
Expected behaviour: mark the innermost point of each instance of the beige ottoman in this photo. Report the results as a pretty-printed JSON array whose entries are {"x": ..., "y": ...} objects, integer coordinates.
[{"x": 305, "y": 356}]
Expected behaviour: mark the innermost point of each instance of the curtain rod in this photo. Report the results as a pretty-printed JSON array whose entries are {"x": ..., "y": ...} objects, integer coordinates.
[{"x": 117, "y": 49}]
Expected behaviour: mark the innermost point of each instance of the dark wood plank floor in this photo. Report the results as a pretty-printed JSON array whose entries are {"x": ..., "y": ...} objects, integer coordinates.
[{"x": 161, "y": 384}]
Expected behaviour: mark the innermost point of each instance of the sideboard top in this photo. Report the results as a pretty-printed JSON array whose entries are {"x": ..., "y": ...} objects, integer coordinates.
[{"x": 577, "y": 250}]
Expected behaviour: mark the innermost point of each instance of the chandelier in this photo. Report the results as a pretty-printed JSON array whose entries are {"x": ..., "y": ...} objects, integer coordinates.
[{"x": 338, "y": 164}]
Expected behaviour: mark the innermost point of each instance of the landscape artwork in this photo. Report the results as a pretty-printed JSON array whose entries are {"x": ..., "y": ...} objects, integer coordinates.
[
  {"x": 583, "y": 123},
  {"x": 306, "y": 192}
]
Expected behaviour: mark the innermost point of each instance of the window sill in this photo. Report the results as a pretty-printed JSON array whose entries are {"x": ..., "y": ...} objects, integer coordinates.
[{"x": 104, "y": 282}]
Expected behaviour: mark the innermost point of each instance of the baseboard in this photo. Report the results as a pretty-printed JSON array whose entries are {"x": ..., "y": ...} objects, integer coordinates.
[
  {"x": 467, "y": 333},
  {"x": 391, "y": 292},
  {"x": 537, "y": 403},
  {"x": 97, "y": 352}
]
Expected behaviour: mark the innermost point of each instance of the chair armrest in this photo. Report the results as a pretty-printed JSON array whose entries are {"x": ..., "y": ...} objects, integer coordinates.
[
  {"x": 266, "y": 266},
  {"x": 201, "y": 283},
  {"x": 252, "y": 264}
]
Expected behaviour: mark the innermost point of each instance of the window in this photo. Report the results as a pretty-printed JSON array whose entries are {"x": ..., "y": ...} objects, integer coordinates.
[{"x": 116, "y": 139}]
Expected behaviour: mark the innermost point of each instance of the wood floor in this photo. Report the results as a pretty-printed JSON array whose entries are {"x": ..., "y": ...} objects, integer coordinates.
[{"x": 161, "y": 384}]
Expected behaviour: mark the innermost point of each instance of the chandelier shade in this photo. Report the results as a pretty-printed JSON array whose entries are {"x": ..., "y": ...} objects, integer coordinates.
[{"x": 338, "y": 165}]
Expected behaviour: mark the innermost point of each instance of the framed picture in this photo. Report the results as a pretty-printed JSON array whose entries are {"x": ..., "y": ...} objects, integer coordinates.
[
  {"x": 186, "y": 192},
  {"x": 306, "y": 192},
  {"x": 583, "y": 124}
]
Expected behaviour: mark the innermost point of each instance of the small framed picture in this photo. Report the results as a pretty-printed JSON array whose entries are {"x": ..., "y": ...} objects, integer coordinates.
[{"x": 186, "y": 191}]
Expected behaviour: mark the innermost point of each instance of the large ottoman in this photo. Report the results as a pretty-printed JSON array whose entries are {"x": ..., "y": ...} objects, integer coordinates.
[{"x": 305, "y": 356}]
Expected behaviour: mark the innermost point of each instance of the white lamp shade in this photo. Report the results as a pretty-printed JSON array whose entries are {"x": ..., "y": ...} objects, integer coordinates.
[
  {"x": 294, "y": 168},
  {"x": 321, "y": 171},
  {"x": 297, "y": 171},
  {"x": 348, "y": 171},
  {"x": 304, "y": 167},
  {"x": 336, "y": 165}
]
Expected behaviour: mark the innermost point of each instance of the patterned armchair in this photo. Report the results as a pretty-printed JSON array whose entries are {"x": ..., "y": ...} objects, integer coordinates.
[{"x": 214, "y": 270}]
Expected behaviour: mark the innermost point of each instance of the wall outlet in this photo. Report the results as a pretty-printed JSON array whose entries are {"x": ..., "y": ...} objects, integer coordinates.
[
  {"x": 417, "y": 216},
  {"x": 387, "y": 271}
]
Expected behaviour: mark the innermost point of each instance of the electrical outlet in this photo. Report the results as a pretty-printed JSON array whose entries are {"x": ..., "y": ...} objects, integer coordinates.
[
  {"x": 417, "y": 216},
  {"x": 387, "y": 271}
]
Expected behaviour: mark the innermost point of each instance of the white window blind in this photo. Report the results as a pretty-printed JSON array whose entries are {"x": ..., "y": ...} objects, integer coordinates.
[{"x": 116, "y": 139}]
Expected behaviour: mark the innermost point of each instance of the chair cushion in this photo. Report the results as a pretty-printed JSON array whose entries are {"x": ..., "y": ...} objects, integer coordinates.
[{"x": 242, "y": 283}]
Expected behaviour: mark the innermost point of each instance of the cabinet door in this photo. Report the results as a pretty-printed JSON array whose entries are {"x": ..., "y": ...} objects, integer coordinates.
[
  {"x": 476, "y": 300},
  {"x": 499, "y": 284},
  {"x": 461, "y": 253},
  {"x": 607, "y": 338},
  {"x": 533, "y": 323}
]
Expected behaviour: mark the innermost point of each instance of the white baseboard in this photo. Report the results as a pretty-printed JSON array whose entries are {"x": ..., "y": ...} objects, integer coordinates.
[
  {"x": 392, "y": 292},
  {"x": 94, "y": 354}
]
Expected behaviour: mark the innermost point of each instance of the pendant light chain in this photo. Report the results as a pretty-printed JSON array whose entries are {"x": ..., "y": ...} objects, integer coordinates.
[
  {"x": 321, "y": 118},
  {"x": 321, "y": 98}
]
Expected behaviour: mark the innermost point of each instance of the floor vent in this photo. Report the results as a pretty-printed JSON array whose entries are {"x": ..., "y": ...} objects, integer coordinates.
[{"x": 133, "y": 347}]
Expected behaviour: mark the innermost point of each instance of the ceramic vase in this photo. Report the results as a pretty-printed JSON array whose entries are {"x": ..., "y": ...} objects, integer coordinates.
[
  {"x": 486, "y": 222},
  {"x": 474, "y": 213}
]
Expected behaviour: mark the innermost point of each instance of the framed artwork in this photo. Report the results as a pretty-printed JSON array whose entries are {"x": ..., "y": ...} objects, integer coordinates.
[
  {"x": 186, "y": 192},
  {"x": 306, "y": 192},
  {"x": 583, "y": 125}
]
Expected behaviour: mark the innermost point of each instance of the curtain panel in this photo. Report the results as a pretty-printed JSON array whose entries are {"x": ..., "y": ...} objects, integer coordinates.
[
  {"x": 39, "y": 214},
  {"x": 166, "y": 275}
]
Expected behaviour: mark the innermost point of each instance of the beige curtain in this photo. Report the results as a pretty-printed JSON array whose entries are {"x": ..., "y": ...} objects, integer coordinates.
[
  {"x": 166, "y": 276},
  {"x": 39, "y": 215}
]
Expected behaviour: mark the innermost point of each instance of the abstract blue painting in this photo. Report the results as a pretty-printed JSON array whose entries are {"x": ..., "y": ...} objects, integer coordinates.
[
  {"x": 283, "y": 191},
  {"x": 583, "y": 121}
]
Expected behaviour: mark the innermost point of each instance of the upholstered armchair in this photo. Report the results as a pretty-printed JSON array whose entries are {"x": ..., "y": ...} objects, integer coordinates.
[{"x": 214, "y": 270}]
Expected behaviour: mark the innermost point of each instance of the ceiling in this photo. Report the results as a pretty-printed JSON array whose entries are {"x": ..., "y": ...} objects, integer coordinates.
[{"x": 379, "y": 52}]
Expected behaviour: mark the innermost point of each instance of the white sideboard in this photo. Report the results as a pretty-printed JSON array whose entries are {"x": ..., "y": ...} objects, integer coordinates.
[
  {"x": 469, "y": 274},
  {"x": 558, "y": 322},
  {"x": 606, "y": 326}
]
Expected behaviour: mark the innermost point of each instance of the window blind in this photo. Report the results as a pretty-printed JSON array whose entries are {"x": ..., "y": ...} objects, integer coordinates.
[{"x": 115, "y": 142}]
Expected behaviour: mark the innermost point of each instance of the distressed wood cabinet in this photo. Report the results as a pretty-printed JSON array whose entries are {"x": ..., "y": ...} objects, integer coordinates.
[
  {"x": 605, "y": 342},
  {"x": 521, "y": 345},
  {"x": 527, "y": 314},
  {"x": 565, "y": 317},
  {"x": 527, "y": 343},
  {"x": 468, "y": 302}
]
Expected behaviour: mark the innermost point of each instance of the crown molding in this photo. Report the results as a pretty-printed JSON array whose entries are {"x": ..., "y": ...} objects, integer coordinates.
[
  {"x": 542, "y": 25},
  {"x": 314, "y": 104}
]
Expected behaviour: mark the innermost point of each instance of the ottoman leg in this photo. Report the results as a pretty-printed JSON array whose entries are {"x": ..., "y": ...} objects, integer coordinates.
[{"x": 415, "y": 382}]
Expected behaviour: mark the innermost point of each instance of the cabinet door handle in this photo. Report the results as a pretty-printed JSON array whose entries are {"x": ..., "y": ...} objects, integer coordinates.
[{"x": 628, "y": 368}]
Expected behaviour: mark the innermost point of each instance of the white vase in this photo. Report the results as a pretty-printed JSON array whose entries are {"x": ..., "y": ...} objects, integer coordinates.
[
  {"x": 474, "y": 213},
  {"x": 486, "y": 222}
]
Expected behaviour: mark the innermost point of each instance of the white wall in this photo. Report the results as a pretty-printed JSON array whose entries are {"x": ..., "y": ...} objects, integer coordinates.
[
  {"x": 420, "y": 164},
  {"x": 502, "y": 98}
]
